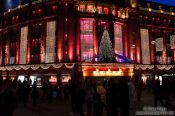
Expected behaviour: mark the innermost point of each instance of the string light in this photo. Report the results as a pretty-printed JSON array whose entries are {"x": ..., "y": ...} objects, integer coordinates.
[{"x": 50, "y": 42}]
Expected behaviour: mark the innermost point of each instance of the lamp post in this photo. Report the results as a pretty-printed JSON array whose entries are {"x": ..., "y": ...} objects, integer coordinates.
[
  {"x": 153, "y": 44},
  {"x": 134, "y": 57}
]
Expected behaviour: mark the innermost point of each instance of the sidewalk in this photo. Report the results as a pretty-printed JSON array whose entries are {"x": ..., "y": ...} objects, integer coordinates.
[{"x": 60, "y": 108}]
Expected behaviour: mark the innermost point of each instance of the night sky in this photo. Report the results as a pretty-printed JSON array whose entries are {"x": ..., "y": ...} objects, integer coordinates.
[
  {"x": 165, "y": 2},
  {"x": 10, "y": 4}
]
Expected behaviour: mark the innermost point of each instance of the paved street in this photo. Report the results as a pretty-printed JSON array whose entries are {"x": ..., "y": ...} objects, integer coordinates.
[{"x": 60, "y": 108}]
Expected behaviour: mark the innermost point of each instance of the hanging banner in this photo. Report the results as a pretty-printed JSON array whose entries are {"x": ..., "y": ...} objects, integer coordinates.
[
  {"x": 50, "y": 42},
  {"x": 23, "y": 45},
  {"x": 118, "y": 45},
  {"x": 159, "y": 44},
  {"x": 172, "y": 41},
  {"x": 145, "y": 46}
]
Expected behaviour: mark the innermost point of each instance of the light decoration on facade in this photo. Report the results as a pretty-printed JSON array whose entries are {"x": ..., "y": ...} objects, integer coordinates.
[
  {"x": 161, "y": 11},
  {"x": 114, "y": 11},
  {"x": 34, "y": 67},
  {"x": 19, "y": 6},
  {"x": 42, "y": 50},
  {"x": 69, "y": 65},
  {"x": 106, "y": 10},
  {"x": 53, "y": 79},
  {"x": 57, "y": 65},
  {"x": 0, "y": 56},
  {"x": 160, "y": 8},
  {"x": 172, "y": 41},
  {"x": 54, "y": 7},
  {"x": 150, "y": 67},
  {"x": 9, "y": 10},
  {"x": 159, "y": 44},
  {"x": 145, "y": 47},
  {"x": 45, "y": 66},
  {"x": 37, "y": 66},
  {"x": 90, "y": 8},
  {"x": 133, "y": 3},
  {"x": 60, "y": 49},
  {"x": 82, "y": 8},
  {"x": 171, "y": 11},
  {"x": 149, "y": 7},
  {"x": 110, "y": 73},
  {"x": 107, "y": 69},
  {"x": 17, "y": 53},
  {"x": 106, "y": 51},
  {"x": 123, "y": 13},
  {"x": 71, "y": 50},
  {"x": 50, "y": 42},
  {"x": 160, "y": 48},
  {"x": 23, "y": 45},
  {"x": 6, "y": 54},
  {"x": 4, "y": 78},
  {"x": 99, "y": 9}
]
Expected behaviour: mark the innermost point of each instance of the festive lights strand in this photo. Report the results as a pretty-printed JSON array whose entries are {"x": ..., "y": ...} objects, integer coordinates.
[
  {"x": 57, "y": 65},
  {"x": 106, "y": 52},
  {"x": 50, "y": 42},
  {"x": 145, "y": 46},
  {"x": 70, "y": 65},
  {"x": 23, "y": 45}
]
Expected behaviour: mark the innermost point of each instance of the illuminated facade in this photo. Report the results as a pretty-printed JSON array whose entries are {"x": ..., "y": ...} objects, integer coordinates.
[{"x": 62, "y": 37}]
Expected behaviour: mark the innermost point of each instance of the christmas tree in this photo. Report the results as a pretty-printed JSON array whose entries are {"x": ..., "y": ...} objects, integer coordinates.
[{"x": 106, "y": 52}]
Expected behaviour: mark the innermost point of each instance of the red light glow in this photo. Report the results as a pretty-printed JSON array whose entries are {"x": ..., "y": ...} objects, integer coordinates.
[
  {"x": 28, "y": 53},
  {"x": 17, "y": 54},
  {"x": 70, "y": 49},
  {"x": 106, "y": 10},
  {"x": 59, "y": 50}
]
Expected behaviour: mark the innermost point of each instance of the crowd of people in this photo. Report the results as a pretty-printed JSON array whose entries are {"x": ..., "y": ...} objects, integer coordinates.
[
  {"x": 13, "y": 91},
  {"x": 115, "y": 96}
]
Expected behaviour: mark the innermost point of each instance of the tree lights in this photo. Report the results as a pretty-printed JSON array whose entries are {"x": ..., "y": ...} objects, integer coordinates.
[{"x": 106, "y": 52}]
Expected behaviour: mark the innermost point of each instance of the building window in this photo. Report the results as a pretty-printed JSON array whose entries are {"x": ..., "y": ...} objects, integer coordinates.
[
  {"x": 106, "y": 11},
  {"x": 36, "y": 42},
  {"x": 82, "y": 8},
  {"x": 6, "y": 55},
  {"x": 13, "y": 36},
  {"x": 12, "y": 52},
  {"x": 118, "y": 41},
  {"x": 114, "y": 12},
  {"x": 86, "y": 37},
  {"x": 90, "y": 8},
  {"x": 99, "y": 9}
]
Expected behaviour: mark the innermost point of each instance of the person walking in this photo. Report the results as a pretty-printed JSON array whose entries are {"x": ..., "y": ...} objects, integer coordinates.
[
  {"x": 35, "y": 94},
  {"x": 89, "y": 97},
  {"x": 157, "y": 92}
]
